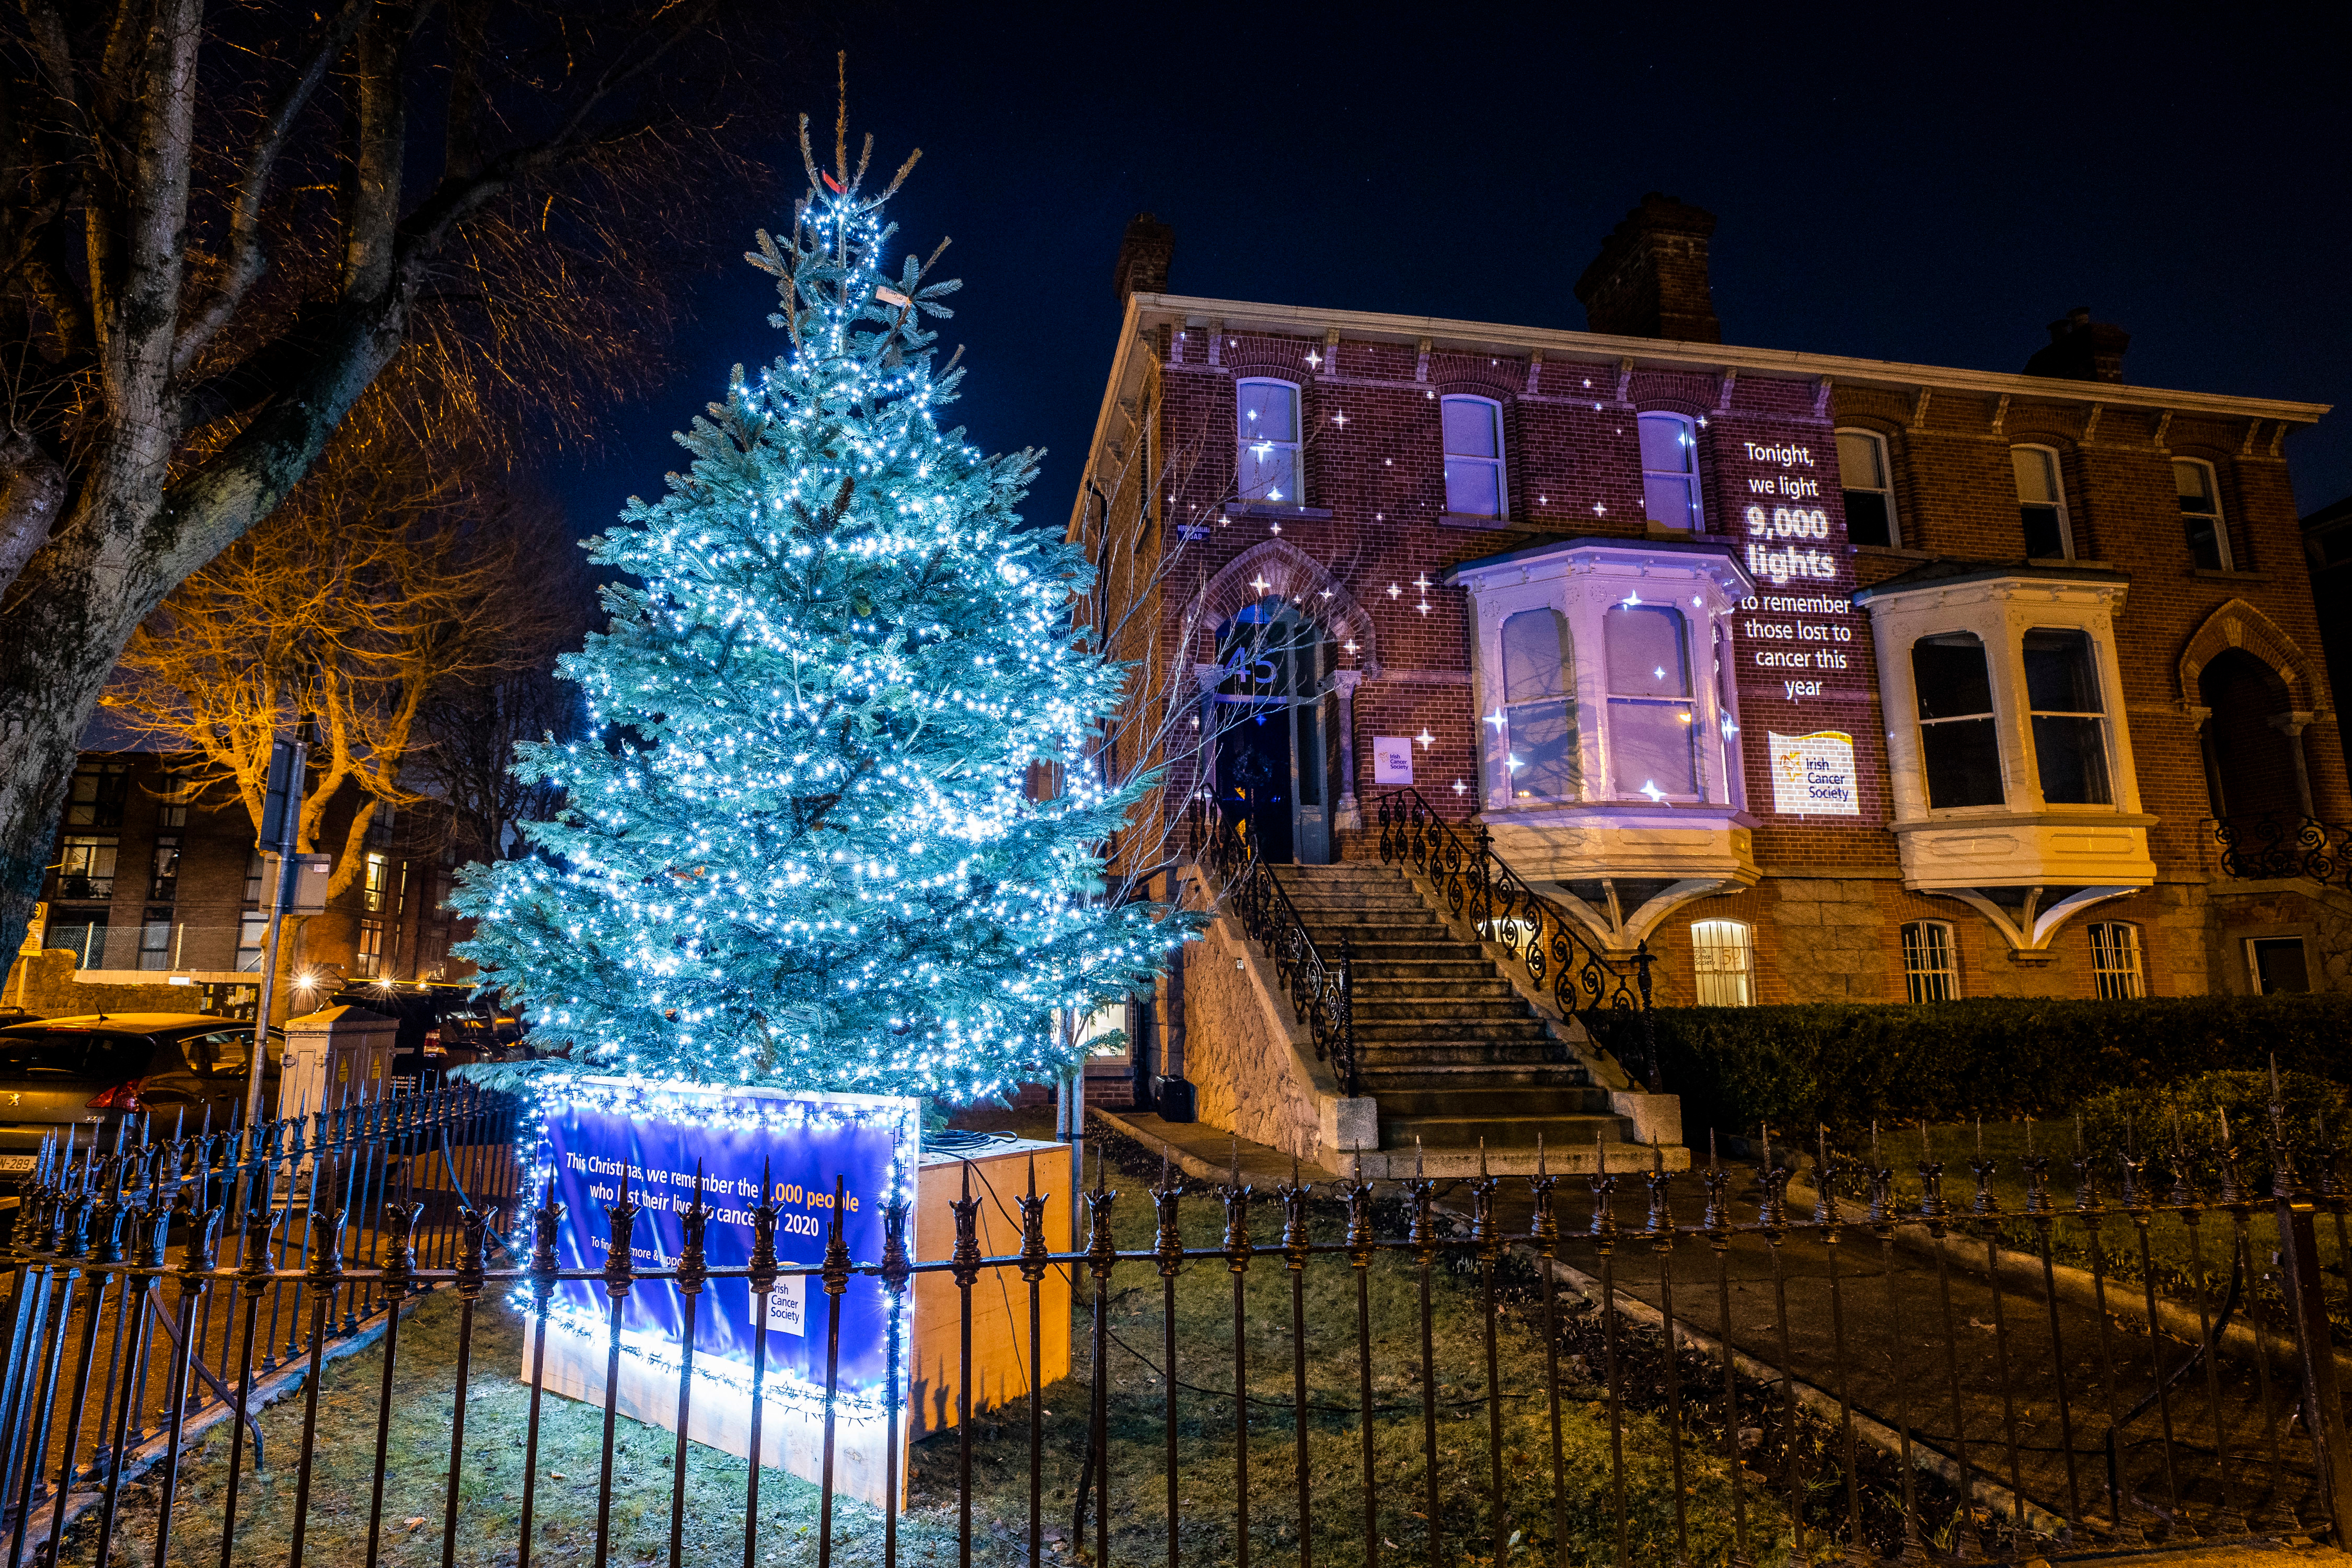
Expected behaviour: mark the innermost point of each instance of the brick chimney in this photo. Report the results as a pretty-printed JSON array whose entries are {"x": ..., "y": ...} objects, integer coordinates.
[
  {"x": 2081, "y": 349},
  {"x": 1650, "y": 280},
  {"x": 1143, "y": 255}
]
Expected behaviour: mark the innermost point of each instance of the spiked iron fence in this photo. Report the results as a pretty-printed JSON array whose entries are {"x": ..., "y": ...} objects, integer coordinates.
[
  {"x": 118, "y": 1350},
  {"x": 1896, "y": 1372}
]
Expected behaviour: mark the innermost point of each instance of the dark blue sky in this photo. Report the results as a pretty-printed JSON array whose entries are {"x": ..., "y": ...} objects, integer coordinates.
[{"x": 1896, "y": 182}]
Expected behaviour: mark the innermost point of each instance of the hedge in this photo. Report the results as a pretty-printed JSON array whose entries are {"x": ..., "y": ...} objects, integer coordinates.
[{"x": 1847, "y": 1064}]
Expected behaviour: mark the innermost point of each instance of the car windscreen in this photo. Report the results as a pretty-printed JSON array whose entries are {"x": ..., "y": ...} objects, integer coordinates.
[{"x": 36, "y": 1055}]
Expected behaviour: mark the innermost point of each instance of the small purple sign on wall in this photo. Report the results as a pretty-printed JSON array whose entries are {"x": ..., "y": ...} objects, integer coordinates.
[{"x": 600, "y": 1136}]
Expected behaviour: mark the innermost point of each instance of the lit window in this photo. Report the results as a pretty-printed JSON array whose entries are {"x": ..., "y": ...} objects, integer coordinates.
[
  {"x": 2200, "y": 513},
  {"x": 1650, "y": 701},
  {"x": 1539, "y": 707},
  {"x": 377, "y": 883},
  {"x": 1869, "y": 496},
  {"x": 2062, "y": 691},
  {"x": 1723, "y": 954},
  {"x": 2278, "y": 964},
  {"x": 369, "y": 959},
  {"x": 1268, "y": 431},
  {"x": 85, "y": 868},
  {"x": 2115, "y": 960},
  {"x": 2041, "y": 503},
  {"x": 1670, "y": 472},
  {"x": 1473, "y": 457},
  {"x": 1927, "y": 967},
  {"x": 1960, "y": 748}
]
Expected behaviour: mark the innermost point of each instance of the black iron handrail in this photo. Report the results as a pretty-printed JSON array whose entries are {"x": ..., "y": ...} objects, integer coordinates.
[
  {"x": 1323, "y": 991},
  {"x": 2284, "y": 844},
  {"x": 1477, "y": 884}
]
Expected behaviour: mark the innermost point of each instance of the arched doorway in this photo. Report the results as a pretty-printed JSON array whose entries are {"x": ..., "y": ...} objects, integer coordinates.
[
  {"x": 2250, "y": 760},
  {"x": 1270, "y": 734}
]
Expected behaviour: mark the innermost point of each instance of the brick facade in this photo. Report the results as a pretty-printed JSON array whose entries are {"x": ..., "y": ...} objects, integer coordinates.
[{"x": 2217, "y": 670}]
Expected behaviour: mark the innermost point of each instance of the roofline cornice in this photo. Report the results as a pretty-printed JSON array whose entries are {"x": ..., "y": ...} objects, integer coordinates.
[{"x": 1656, "y": 353}]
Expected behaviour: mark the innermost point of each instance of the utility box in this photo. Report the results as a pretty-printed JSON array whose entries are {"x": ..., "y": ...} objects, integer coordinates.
[
  {"x": 335, "y": 1057},
  {"x": 312, "y": 873}
]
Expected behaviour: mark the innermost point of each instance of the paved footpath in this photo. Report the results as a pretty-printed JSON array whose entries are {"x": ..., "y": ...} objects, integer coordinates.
[{"x": 1870, "y": 1322}]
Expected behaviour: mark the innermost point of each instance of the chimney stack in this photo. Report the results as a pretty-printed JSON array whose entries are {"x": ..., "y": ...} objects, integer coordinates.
[
  {"x": 1143, "y": 255},
  {"x": 1649, "y": 278},
  {"x": 2081, "y": 349}
]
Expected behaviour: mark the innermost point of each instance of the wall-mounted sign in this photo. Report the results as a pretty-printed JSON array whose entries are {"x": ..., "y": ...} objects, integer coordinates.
[
  {"x": 1392, "y": 759},
  {"x": 1812, "y": 775}
]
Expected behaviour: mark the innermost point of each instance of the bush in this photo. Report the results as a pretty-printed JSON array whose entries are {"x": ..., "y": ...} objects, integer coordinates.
[
  {"x": 1848, "y": 1064},
  {"x": 2195, "y": 1117}
]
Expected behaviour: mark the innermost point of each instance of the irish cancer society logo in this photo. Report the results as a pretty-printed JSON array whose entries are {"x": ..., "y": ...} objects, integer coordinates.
[{"x": 1812, "y": 775}]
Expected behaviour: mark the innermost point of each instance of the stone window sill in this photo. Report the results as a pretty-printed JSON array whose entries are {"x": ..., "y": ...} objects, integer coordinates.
[
  {"x": 2231, "y": 575},
  {"x": 1280, "y": 513},
  {"x": 1895, "y": 551},
  {"x": 1472, "y": 519}
]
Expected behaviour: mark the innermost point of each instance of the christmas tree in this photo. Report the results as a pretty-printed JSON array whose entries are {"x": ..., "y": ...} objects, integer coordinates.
[{"x": 813, "y": 851}]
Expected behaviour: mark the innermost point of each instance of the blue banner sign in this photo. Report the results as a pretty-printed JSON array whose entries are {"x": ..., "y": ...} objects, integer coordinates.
[{"x": 602, "y": 1136}]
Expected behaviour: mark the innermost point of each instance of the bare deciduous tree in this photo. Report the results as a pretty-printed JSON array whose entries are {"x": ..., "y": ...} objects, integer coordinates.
[
  {"x": 224, "y": 230},
  {"x": 373, "y": 591}
]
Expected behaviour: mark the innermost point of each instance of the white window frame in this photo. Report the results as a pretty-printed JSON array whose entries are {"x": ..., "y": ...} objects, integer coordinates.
[
  {"x": 1692, "y": 475},
  {"x": 1498, "y": 463},
  {"x": 2221, "y": 519},
  {"x": 1581, "y": 583},
  {"x": 1245, "y": 439},
  {"x": 2057, "y": 470},
  {"x": 1998, "y": 610},
  {"x": 1723, "y": 964},
  {"x": 2254, "y": 968},
  {"x": 1924, "y": 981},
  {"x": 2104, "y": 717},
  {"x": 2115, "y": 963},
  {"x": 1884, "y": 489}
]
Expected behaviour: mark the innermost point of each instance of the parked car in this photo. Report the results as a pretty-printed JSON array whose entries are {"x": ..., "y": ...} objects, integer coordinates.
[
  {"x": 93, "y": 1071},
  {"x": 441, "y": 1027}
]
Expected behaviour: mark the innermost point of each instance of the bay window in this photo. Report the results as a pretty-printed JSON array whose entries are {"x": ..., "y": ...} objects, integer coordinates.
[
  {"x": 2062, "y": 692},
  {"x": 1957, "y": 742},
  {"x": 1539, "y": 707},
  {"x": 1610, "y": 761},
  {"x": 2008, "y": 757},
  {"x": 1650, "y": 707},
  {"x": 1267, "y": 467}
]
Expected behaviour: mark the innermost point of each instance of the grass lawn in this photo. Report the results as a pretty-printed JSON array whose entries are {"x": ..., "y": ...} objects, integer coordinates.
[
  {"x": 564, "y": 1524},
  {"x": 2175, "y": 1264}
]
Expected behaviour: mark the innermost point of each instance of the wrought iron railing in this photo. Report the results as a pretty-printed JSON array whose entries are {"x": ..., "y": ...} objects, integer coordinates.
[
  {"x": 1891, "y": 1374},
  {"x": 1322, "y": 989},
  {"x": 2283, "y": 844},
  {"x": 1546, "y": 943}
]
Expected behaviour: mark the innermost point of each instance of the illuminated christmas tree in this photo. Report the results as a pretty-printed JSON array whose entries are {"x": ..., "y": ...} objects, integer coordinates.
[{"x": 812, "y": 852}]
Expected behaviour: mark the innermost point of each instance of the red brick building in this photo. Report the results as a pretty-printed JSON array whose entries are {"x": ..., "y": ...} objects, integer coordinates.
[{"x": 1829, "y": 678}]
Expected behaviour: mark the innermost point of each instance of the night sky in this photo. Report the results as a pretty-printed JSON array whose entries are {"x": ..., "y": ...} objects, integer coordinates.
[{"x": 1892, "y": 183}]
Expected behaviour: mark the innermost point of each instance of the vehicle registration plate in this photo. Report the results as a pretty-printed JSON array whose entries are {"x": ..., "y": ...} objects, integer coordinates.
[{"x": 14, "y": 1162}]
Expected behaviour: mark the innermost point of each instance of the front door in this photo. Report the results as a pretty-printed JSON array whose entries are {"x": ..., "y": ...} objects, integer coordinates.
[{"x": 1270, "y": 734}]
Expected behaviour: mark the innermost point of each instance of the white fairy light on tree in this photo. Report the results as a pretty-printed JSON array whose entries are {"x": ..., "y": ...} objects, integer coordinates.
[{"x": 810, "y": 855}]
